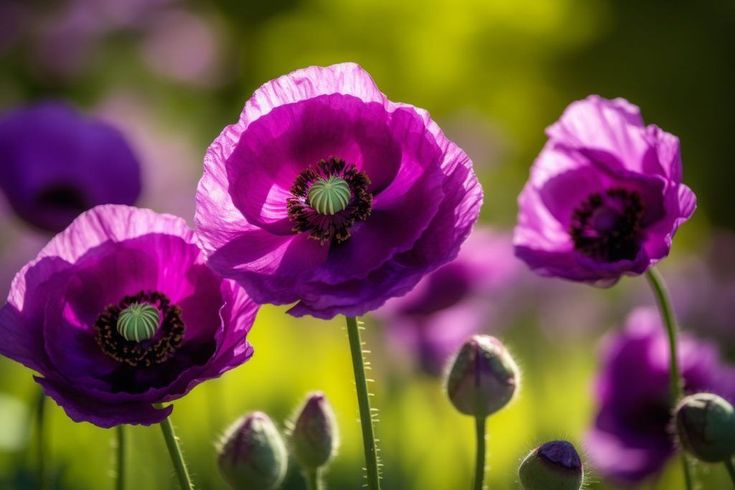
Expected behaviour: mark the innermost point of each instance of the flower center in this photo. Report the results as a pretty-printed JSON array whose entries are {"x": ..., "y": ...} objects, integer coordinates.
[
  {"x": 138, "y": 321},
  {"x": 607, "y": 226},
  {"x": 328, "y": 198},
  {"x": 143, "y": 329}
]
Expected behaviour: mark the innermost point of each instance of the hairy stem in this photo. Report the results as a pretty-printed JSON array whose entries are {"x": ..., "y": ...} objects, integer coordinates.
[
  {"x": 312, "y": 479},
  {"x": 480, "y": 439},
  {"x": 676, "y": 383},
  {"x": 730, "y": 470},
  {"x": 363, "y": 400},
  {"x": 120, "y": 457},
  {"x": 177, "y": 457},
  {"x": 41, "y": 440}
]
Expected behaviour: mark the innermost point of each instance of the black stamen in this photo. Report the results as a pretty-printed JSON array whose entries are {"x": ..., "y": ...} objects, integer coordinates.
[
  {"x": 335, "y": 227},
  {"x": 158, "y": 349},
  {"x": 607, "y": 226}
]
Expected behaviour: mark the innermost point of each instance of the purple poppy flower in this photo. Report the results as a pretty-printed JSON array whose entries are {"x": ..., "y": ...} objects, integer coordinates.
[
  {"x": 328, "y": 195},
  {"x": 119, "y": 312},
  {"x": 631, "y": 438},
  {"x": 455, "y": 301},
  {"x": 58, "y": 163},
  {"x": 604, "y": 197}
]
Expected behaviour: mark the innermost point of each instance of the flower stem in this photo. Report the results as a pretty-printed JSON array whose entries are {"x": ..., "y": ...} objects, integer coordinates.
[
  {"x": 312, "y": 478},
  {"x": 120, "y": 457},
  {"x": 730, "y": 470},
  {"x": 41, "y": 441},
  {"x": 363, "y": 400},
  {"x": 676, "y": 383},
  {"x": 480, "y": 439},
  {"x": 177, "y": 458}
]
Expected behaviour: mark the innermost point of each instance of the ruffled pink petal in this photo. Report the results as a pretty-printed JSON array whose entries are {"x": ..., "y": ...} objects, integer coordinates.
[
  {"x": 82, "y": 408},
  {"x": 275, "y": 149},
  {"x": 218, "y": 219},
  {"x": 21, "y": 319},
  {"x": 611, "y": 126}
]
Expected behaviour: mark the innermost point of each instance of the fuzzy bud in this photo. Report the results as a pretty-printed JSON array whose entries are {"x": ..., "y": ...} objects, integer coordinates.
[
  {"x": 252, "y": 453},
  {"x": 483, "y": 377},
  {"x": 554, "y": 465},
  {"x": 315, "y": 436},
  {"x": 706, "y": 427}
]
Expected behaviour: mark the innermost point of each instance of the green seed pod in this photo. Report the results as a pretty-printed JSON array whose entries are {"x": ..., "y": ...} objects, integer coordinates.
[
  {"x": 329, "y": 196},
  {"x": 138, "y": 322},
  {"x": 705, "y": 424},
  {"x": 252, "y": 454},
  {"x": 315, "y": 436},
  {"x": 554, "y": 465},
  {"x": 483, "y": 377}
]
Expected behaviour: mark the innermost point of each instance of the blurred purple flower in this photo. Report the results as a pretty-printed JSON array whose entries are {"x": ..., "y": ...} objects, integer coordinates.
[
  {"x": 703, "y": 289},
  {"x": 631, "y": 438},
  {"x": 82, "y": 316},
  {"x": 455, "y": 301},
  {"x": 184, "y": 47},
  {"x": 327, "y": 194},
  {"x": 604, "y": 197},
  {"x": 170, "y": 160},
  {"x": 58, "y": 163}
]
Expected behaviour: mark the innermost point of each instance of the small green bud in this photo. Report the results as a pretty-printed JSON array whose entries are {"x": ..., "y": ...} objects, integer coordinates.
[
  {"x": 252, "y": 454},
  {"x": 706, "y": 427},
  {"x": 315, "y": 436},
  {"x": 554, "y": 465},
  {"x": 483, "y": 377}
]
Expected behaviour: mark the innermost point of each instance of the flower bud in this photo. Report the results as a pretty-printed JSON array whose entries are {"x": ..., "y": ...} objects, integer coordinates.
[
  {"x": 554, "y": 465},
  {"x": 483, "y": 377},
  {"x": 706, "y": 427},
  {"x": 252, "y": 453},
  {"x": 315, "y": 436}
]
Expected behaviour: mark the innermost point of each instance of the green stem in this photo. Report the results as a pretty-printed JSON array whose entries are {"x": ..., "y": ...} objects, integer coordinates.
[
  {"x": 676, "y": 383},
  {"x": 312, "y": 478},
  {"x": 363, "y": 400},
  {"x": 121, "y": 455},
  {"x": 730, "y": 470},
  {"x": 177, "y": 458},
  {"x": 41, "y": 441},
  {"x": 480, "y": 439}
]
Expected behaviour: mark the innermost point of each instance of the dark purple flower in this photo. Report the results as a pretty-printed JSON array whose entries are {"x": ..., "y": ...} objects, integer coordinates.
[
  {"x": 57, "y": 163},
  {"x": 604, "y": 197},
  {"x": 631, "y": 438},
  {"x": 455, "y": 301},
  {"x": 119, "y": 312},
  {"x": 328, "y": 195}
]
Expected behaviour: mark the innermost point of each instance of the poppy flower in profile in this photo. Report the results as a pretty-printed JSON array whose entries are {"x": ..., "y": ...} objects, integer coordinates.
[
  {"x": 632, "y": 438},
  {"x": 57, "y": 163},
  {"x": 605, "y": 196},
  {"x": 120, "y": 312},
  {"x": 328, "y": 195}
]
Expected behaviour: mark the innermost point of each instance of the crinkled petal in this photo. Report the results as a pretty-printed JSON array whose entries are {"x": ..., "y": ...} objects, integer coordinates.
[
  {"x": 82, "y": 408},
  {"x": 613, "y": 126}
]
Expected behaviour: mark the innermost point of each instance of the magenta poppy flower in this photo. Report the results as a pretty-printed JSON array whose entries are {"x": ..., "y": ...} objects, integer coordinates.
[
  {"x": 119, "y": 312},
  {"x": 604, "y": 197},
  {"x": 328, "y": 195},
  {"x": 631, "y": 438},
  {"x": 454, "y": 302},
  {"x": 57, "y": 163}
]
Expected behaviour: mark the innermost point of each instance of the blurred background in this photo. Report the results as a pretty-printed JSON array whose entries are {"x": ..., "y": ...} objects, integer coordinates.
[{"x": 494, "y": 73}]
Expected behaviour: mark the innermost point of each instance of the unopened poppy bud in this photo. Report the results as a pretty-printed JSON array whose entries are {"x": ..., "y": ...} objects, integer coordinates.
[
  {"x": 483, "y": 377},
  {"x": 706, "y": 427},
  {"x": 252, "y": 454},
  {"x": 315, "y": 436},
  {"x": 554, "y": 465}
]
